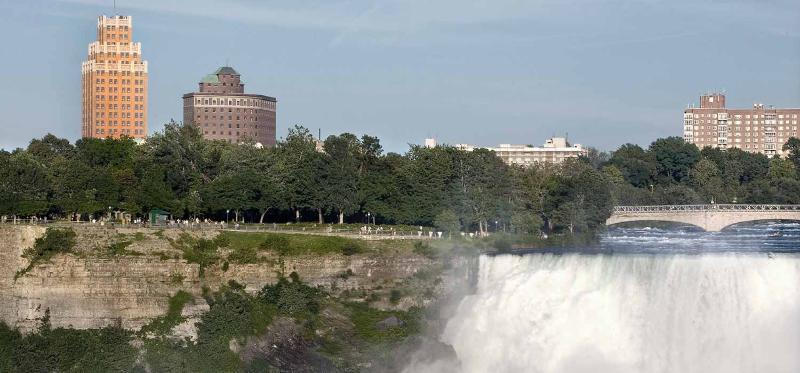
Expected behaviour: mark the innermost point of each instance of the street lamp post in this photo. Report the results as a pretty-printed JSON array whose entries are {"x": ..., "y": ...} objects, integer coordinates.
[{"x": 226, "y": 216}]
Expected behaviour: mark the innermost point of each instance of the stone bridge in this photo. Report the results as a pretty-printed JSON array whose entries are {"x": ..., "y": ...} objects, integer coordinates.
[{"x": 712, "y": 218}]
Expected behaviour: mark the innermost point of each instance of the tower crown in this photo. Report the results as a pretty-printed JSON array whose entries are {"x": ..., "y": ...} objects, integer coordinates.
[{"x": 223, "y": 80}]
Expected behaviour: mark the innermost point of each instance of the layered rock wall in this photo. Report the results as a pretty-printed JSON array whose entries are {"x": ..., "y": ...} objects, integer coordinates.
[{"x": 88, "y": 291}]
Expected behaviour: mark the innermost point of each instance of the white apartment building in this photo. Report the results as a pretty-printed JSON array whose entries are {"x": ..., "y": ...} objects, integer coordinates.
[{"x": 554, "y": 150}]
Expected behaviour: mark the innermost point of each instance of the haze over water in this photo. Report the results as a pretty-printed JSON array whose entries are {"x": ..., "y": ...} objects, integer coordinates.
[
  {"x": 760, "y": 237},
  {"x": 644, "y": 300}
]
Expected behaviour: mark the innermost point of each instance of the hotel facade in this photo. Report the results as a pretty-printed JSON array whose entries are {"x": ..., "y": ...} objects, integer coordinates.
[
  {"x": 555, "y": 150},
  {"x": 223, "y": 111},
  {"x": 114, "y": 82},
  {"x": 760, "y": 129}
]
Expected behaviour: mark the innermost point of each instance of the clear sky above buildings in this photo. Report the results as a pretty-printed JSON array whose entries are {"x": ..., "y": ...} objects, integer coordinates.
[{"x": 482, "y": 72}]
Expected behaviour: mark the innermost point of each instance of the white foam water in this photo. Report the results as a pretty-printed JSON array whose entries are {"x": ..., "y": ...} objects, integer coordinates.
[{"x": 630, "y": 313}]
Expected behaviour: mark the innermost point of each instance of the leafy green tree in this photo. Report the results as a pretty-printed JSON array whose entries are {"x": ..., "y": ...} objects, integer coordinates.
[
  {"x": 793, "y": 147},
  {"x": 636, "y": 165},
  {"x": 252, "y": 171},
  {"x": 231, "y": 191},
  {"x": 674, "y": 158},
  {"x": 297, "y": 171},
  {"x": 426, "y": 179},
  {"x": 340, "y": 175},
  {"x": 376, "y": 180},
  {"x": 526, "y": 222},
  {"x": 705, "y": 178},
  {"x": 447, "y": 221},
  {"x": 186, "y": 158},
  {"x": 153, "y": 190},
  {"x": 24, "y": 185},
  {"x": 579, "y": 199},
  {"x": 595, "y": 157},
  {"x": 482, "y": 181},
  {"x": 677, "y": 194},
  {"x": 74, "y": 187},
  {"x": 781, "y": 169},
  {"x": 50, "y": 147}
]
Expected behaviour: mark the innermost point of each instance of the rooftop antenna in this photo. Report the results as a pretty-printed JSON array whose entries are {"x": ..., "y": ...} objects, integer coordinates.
[
  {"x": 319, "y": 136},
  {"x": 115, "y": 7}
]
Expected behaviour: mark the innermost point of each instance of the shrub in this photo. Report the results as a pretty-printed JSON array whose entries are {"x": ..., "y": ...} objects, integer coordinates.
[
  {"x": 292, "y": 298},
  {"x": 394, "y": 296},
  {"x": 293, "y": 244},
  {"x": 222, "y": 240},
  {"x": 351, "y": 248},
  {"x": 164, "y": 324},
  {"x": 200, "y": 251},
  {"x": 447, "y": 221},
  {"x": 346, "y": 274},
  {"x": 424, "y": 249},
  {"x": 121, "y": 248},
  {"x": 53, "y": 241},
  {"x": 365, "y": 319},
  {"x": 176, "y": 278},
  {"x": 245, "y": 255},
  {"x": 66, "y": 350},
  {"x": 275, "y": 242},
  {"x": 502, "y": 245}
]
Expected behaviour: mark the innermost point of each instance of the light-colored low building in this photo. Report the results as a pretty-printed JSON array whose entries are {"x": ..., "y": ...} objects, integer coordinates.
[{"x": 555, "y": 150}]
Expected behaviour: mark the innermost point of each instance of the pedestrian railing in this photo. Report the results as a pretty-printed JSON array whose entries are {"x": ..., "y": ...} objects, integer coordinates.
[
  {"x": 708, "y": 207},
  {"x": 368, "y": 232}
]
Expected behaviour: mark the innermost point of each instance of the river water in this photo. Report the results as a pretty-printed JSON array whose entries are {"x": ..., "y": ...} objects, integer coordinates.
[{"x": 643, "y": 300}]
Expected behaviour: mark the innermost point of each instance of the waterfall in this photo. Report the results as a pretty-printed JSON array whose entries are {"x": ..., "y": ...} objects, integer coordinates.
[{"x": 597, "y": 313}]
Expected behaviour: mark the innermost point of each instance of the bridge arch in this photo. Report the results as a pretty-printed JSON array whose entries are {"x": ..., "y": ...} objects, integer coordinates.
[
  {"x": 615, "y": 222},
  {"x": 759, "y": 220},
  {"x": 708, "y": 217}
]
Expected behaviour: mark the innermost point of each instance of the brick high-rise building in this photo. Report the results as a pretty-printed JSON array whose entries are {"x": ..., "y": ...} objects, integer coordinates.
[
  {"x": 224, "y": 112},
  {"x": 760, "y": 129},
  {"x": 114, "y": 82}
]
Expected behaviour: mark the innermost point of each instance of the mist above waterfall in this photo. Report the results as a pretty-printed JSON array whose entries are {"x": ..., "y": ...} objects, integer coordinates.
[{"x": 573, "y": 312}]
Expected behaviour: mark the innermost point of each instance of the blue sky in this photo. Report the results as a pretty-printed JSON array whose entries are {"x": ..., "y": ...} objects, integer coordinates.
[{"x": 484, "y": 72}]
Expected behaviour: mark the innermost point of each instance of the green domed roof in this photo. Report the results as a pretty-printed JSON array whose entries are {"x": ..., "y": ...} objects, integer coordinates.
[
  {"x": 213, "y": 78},
  {"x": 210, "y": 78}
]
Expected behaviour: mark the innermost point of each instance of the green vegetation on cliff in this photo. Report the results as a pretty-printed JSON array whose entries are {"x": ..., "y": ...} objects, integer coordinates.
[
  {"x": 284, "y": 327},
  {"x": 292, "y": 244},
  {"x": 164, "y": 324},
  {"x": 54, "y": 241},
  {"x": 66, "y": 350}
]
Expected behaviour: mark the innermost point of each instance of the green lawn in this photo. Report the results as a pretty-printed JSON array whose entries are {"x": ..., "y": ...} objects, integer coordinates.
[{"x": 305, "y": 244}]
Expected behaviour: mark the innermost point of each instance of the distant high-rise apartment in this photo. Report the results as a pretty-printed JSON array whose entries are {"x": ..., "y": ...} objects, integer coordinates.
[
  {"x": 114, "y": 82},
  {"x": 760, "y": 129},
  {"x": 223, "y": 111}
]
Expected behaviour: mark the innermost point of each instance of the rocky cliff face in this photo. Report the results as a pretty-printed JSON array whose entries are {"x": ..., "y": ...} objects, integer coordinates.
[{"x": 83, "y": 290}]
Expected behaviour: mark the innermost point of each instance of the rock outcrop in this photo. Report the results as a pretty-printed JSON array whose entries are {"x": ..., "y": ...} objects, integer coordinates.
[{"x": 89, "y": 291}]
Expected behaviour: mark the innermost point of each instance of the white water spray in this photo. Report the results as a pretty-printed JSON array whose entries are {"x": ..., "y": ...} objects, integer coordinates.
[{"x": 630, "y": 313}]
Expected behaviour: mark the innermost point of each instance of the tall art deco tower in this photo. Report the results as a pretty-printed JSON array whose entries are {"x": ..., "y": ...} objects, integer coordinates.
[{"x": 114, "y": 82}]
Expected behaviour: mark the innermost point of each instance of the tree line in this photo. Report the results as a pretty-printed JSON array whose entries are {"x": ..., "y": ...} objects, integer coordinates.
[{"x": 352, "y": 180}]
